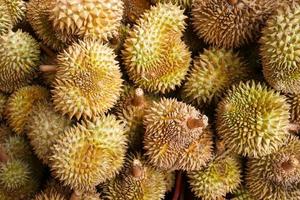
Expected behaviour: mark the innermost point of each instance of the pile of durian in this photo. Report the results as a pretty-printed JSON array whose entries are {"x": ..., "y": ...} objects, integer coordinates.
[{"x": 150, "y": 100}]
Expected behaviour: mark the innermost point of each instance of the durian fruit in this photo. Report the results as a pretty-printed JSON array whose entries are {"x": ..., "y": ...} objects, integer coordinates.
[
  {"x": 137, "y": 181},
  {"x": 20, "y": 104},
  {"x": 50, "y": 195},
  {"x": 117, "y": 41},
  {"x": 183, "y": 3},
  {"x": 44, "y": 127},
  {"x": 214, "y": 71},
  {"x": 89, "y": 153},
  {"x": 228, "y": 23},
  {"x": 88, "y": 80},
  {"x": 155, "y": 58},
  {"x": 294, "y": 102},
  {"x": 89, "y": 18},
  {"x": 5, "y": 132},
  {"x": 15, "y": 8},
  {"x": 3, "y": 99},
  {"x": 280, "y": 50},
  {"x": 4, "y": 195},
  {"x": 177, "y": 136},
  {"x": 275, "y": 176},
  {"x": 219, "y": 177},
  {"x": 241, "y": 193},
  {"x": 170, "y": 180},
  {"x": 133, "y": 9},
  {"x": 253, "y": 120},
  {"x": 19, "y": 57},
  {"x": 17, "y": 147},
  {"x": 5, "y": 20}
]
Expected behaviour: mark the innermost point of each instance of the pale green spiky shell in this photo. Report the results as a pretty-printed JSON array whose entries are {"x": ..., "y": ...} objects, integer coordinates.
[
  {"x": 221, "y": 176},
  {"x": 89, "y": 18},
  {"x": 15, "y": 8},
  {"x": 43, "y": 128},
  {"x": 169, "y": 143},
  {"x": 280, "y": 50},
  {"x": 20, "y": 104},
  {"x": 19, "y": 57},
  {"x": 183, "y": 3},
  {"x": 214, "y": 71},
  {"x": 5, "y": 20},
  {"x": 223, "y": 25},
  {"x": 151, "y": 185},
  {"x": 170, "y": 180},
  {"x": 3, "y": 99},
  {"x": 253, "y": 120},
  {"x": 38, "y": 17},
  {"x": 133, "y": 9},
  {"x": 88, "y": 80},
  {"x": 89, "y": 154},
  {"x": 294, "y": 101},
  {"x": 155, "y": 58},
  {"x": 241, "y": 193}
]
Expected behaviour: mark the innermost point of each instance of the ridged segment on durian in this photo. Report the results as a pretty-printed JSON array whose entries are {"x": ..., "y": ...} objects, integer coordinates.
[
  {"x": 43, "y": 129},
  {"x": 89, "y": 18},
  {"x": 20, "y": 104},
  {"x": 148, "y": 185},
  {"x": 19, "y": 57},
  {"x": 219, "y": 177},
  {"x": 224, "y": 25},
  {"x": 155, "y": 58},
  {"x": 280, "y": 50},
  {"x": 253, "y": 120},
  {"x": 169, "y": 141},
  {"x": 89, "y": 153},
  {"x": 133, "y": 9},
  {"x": 214, "y": 71},
  {"x": 88, "y": 80},
  {"x": 182, "y": 3}
]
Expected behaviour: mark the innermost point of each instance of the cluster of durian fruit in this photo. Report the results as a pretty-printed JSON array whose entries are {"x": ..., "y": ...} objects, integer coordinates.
[{"x": 135, "y": 99}]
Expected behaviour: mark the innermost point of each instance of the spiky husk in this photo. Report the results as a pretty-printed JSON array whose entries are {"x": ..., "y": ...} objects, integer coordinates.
[
  {"x": 253, "y": 120},
  {"x": 50, "y": 195},
  {"x": 155, "y": 58},
  {"x": 294, "y": 101},
  {"x": 17, "y": 147},
  {"x": 117, "y": 41},
  {"x": 15, "y": 8},
  {"x": 20, "y": 104},
  {"x": 19, "y": 57},
  {"x": 89, "y": 18},
  {"x": 5, "y": 20},
  {"x": 148, "y": 186},
  {"x": 43, "y": 128},
  {"x": 89, "y": 153},
  {"x": 224, "y": 25},
  {"x": 280, "y": 51},
  {"x": 133, "y": 9},
  {"x": 3, "y": 99},
  {"x": 182, "y": 3},
  {"x": 170, "y": 180},
  {"x": 4, "y": 195},
  {"x": 241, "y": 193},
  {"x": 5, "y": 132},
  {"x": 214, "y": 71},
  {"x": 169, "y": 141},
  {"x": 221, "y": 176},
  {"x": 88, "y": 81}
]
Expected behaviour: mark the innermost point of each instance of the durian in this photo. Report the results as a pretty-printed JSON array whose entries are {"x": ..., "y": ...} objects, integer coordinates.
[
  {"x": 280, "y": 50},
  {"x": 253, "y": 120},
  {"x": 50, "y": 195},
  {"x": 294, "y": 102},
  {"x": 20, "y": 104},
  {"x": 88, "y": 80},
  {"x": 214, "y": 71},
  {"x": 219, "y": 177},
  {"x": 230, "y": 24},
  {"x": 3, "y": 99},
  {"x": 19, "y": 57},
  {"x": 44, "y": 127},
  {"x": 155, "y": 58},
  {"x": 177, "y": 136},
  {"x": 170, "y": 180},
  {"x": 89, "y": 153},
  {"x": 183, "y": 3},
  {"x": 133, "y": 9},
  {"x": 137, "y": 181},
  {"x": 5, "y": 20},
  {"x": 15, "y": 8},
  {"x": 5, "y": 132},
  {"x": 17, "y": 147},
  {"x": 241, "y": 193},
  {"x": 87, "y": 18}
]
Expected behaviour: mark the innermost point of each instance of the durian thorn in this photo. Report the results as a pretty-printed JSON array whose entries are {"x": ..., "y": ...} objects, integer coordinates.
[
  {"x": 290, "y": 164},
  {"x": 197, "y": 122},
  {"x": 48, "y": 68},
  {"x": 233, "y": 2},
  {"x": 139, "y": 97},
  {"x": 293, "y": 127},
  {"x": 76, "y": 195},
  {"x": 47, "y": 50},
  {"x": 178, "y": 186},
  {"x": 3, "y": 156},
  {"x": 137, "y": 169}
]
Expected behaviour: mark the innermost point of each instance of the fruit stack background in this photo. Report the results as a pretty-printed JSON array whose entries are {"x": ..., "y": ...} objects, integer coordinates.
[{"x": 149, "y": 100}]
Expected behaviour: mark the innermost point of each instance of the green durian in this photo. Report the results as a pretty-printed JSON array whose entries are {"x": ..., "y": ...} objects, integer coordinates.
[
  {"x": 138, "y": 180},
  {"x": 170, "y": 180},
  {"x": 133, "y": 9},
  {"x": 15, "y": 8},
  {"x": 17, "y": 147},
  {"x": 154, "y": 56},
  {"x": 280, "y": 49},
  {"x": 20, "y": 104},
  {"x": 177, "y": 136},
  {"x": 220, "y": 176},
  {"x": 19, "y": 57},
  {"x": 182, "y": 3},
  {"x": 88, "y": 80},
  {"x": 43, "y": 128},
  {"x": 5, "y": 20},
  {"x": 214, "y": 71},
  {"x": 89, "y": 153},
  {"x": 241, "y": 193},
  {"x": 253, "y": 120}
]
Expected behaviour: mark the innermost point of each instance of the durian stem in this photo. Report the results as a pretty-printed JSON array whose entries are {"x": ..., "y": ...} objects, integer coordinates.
[
  {"x": 197, "y": 122},
  {"x": 75, "y": 195},
  {"x": 139, "y": 98},
  {"x": 3, "y": 156},
  {"x": 292, "y": 127},
  {"x": 48, "y": 68},
  {"x": 233, "y": 2},
  {"x": 137, "y": 169},
  {"x": 48, "y": 51},
  {"x": 178, "y": 186},
  {"x": 290, "y": 164}
]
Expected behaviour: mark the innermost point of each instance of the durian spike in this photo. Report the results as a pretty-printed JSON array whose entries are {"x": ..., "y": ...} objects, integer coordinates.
[
  {"x": 178, "y": 186},
  {"x": 233, "y": 2},
  {"x": 197, "y": 122},
  {"x": 139, "y": 97},
  {"x": 48, "y": 68},
  {"x": 293, "y": 127},
  {"x": 3, "y": 156},
  {"x": 290, "y": 164},
  {"x": 75, "y": 195},
  {"x": 47, "y": 50},
  {"x": 137, "y": 169}
]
